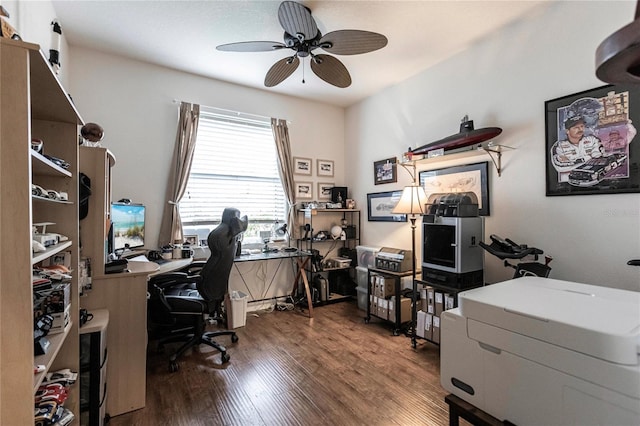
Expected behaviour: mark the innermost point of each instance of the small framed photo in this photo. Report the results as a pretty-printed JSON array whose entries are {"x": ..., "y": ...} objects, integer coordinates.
[
  {"x": 339, "y": 195},
  {"x": 325, "y": 168},
  {"x": 385, "y": 171},
  {"x": 324, "y": 190},
  {"x": 304, "y": 191},
  {"x": 302, "y": 166},
  {"x": 192, "y": 240}
]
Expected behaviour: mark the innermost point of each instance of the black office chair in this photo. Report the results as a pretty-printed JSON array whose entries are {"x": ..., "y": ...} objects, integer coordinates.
[{"x": 180, "y": 301}]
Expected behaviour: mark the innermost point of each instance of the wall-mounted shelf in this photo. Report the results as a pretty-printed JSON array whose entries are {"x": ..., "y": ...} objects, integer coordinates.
[{"x": 492, "y": 149}]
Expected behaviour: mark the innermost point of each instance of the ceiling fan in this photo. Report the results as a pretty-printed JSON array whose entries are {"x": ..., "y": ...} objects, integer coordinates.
[{"x": 301, "y": 35}]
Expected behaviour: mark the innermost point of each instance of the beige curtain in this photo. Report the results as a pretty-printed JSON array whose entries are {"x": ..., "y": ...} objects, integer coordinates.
[
  {"x": 171, "y": 227},
  {"x": 285, "y": 167}
]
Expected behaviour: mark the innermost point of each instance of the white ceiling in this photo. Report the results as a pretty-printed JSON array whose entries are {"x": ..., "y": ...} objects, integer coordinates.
[{"x": 183, "y": 35}]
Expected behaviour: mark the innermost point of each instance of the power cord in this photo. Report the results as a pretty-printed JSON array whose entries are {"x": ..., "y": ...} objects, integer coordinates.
[{"x": 288, "y": 305}]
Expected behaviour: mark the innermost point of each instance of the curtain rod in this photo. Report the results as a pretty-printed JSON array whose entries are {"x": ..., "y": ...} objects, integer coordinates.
[{"x": 238, "y": 113}]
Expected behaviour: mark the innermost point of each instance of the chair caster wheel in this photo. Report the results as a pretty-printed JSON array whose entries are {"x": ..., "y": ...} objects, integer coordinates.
[
  {"x": 234, "y": 338},
  {"x": 173, "y": 366},
  {"x": 225, "y": 357}
]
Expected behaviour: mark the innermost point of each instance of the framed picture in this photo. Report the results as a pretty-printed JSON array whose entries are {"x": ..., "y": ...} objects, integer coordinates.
[
  {"x": 385, "y": 171},
  {"x": 325, "y": 168},
  {"x": 324, "y": 190},
  {"x": 591, "y": 145},
  {"x": 302, "y": 166},
  {"x": 466, "y": 178},
  {"x": 380, "y": 204},
  {"x": 304, "y": 190},
  {"x": 339, "y": 195},
  {"x": 192, "y": 240}
]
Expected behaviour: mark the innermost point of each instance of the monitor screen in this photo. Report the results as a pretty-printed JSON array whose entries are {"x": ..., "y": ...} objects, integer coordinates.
[{"x": 128, "y": 225}]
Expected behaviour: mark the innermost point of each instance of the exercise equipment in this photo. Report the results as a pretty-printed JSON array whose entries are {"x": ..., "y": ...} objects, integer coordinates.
[{"x": 508, "y": 249}]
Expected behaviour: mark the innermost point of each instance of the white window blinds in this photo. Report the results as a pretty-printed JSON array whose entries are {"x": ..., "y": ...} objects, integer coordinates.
[{"x": 234, "y": 165}]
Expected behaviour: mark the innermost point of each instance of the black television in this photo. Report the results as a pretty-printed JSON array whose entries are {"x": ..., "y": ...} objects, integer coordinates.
[{"x": 127, "y": 221}]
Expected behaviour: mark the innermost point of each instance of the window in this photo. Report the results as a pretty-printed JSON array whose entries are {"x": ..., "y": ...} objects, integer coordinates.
[{"x": 234, "y": 165}]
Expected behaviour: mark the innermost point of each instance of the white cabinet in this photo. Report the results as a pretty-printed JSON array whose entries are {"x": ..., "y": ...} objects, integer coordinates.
[{"x": 33, "y": 104}]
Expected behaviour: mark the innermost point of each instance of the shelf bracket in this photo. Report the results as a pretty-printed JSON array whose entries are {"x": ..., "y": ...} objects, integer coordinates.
[
  {"x": 410, "y": 167},
  {"x": 497, "y": 159},
  {"x": 495, "y": 152}
]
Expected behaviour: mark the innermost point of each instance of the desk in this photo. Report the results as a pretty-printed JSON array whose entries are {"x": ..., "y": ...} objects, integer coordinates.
[
  {"x": 301, "y": 258},
  {"x": 125, "y": 296}
]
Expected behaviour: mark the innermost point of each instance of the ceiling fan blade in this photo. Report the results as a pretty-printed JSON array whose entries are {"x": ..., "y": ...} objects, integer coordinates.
[
  {"x": 251, "y": 46},
  {"x": 352, "y": 42},
  {"x": 281, "y": 70},
  {"x": 296, "y": 19},
  {"x": 331, "y": 70}
]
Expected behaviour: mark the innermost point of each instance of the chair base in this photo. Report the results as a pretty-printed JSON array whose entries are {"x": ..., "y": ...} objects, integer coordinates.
[{"x": 196, "y": 339}]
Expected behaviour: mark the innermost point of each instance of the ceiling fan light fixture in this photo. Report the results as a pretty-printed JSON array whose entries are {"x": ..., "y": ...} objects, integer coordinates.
[
  {"x": 298, "y": 25},
  {"x": 618, "y": 56}
]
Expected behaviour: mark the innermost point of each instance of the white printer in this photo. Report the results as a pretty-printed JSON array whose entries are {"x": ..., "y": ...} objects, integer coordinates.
[{"x": 538, "y": 351}]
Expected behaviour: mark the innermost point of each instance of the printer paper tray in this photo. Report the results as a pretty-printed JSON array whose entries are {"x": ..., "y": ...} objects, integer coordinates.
[{"x": 616, "y": 377}]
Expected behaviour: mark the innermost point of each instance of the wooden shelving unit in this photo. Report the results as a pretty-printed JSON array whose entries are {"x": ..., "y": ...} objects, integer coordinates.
[{"x": 33, "y": 105}]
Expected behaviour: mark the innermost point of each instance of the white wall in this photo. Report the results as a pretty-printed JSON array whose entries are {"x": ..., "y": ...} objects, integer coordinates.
[
  {"x": 134, "y": 102},
  {"x": 503, "y": 81},
  {"x": 32, "y": 21}
]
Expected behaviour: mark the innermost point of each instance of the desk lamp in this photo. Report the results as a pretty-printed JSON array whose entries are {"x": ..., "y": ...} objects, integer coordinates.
[{"x": 412, "y": 202}]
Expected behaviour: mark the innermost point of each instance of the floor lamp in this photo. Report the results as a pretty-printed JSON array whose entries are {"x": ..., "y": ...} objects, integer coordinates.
[{"x": 412, "y": 202}]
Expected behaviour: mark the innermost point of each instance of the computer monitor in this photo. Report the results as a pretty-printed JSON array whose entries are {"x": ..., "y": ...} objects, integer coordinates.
[{"x": 127, "y": 221}]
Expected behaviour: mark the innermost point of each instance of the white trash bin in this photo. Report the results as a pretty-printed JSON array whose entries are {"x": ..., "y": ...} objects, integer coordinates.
[{"x": 236, "y": 304}]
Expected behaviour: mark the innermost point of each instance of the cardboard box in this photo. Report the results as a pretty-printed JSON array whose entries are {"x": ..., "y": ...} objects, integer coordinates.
[
  {"x": 60, "y": 321},
  {"x": 428, "y": 327},
  {"x": 405, "y": 309},
  {"x": 449, "y": 301},
  {"x": 384, "y": 287},
  {"x": 431, "y": 305},
  {"x": 383, "y": 308},
  {"x": 406, "y": 282},
  {"x": 439, "y": 305},
  {"x": 421, "y": 317},
  {"x": 436, "y": 330}
]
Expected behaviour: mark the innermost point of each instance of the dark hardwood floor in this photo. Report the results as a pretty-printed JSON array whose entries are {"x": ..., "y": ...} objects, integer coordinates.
[{"x": 287, "y": 369}]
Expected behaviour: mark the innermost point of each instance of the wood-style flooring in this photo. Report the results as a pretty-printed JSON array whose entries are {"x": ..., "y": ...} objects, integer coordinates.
[{"x": 287, "y": 369}]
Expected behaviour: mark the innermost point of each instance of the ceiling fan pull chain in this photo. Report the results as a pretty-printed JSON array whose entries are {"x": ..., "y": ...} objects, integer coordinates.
[{"x": 303, "y": 72}]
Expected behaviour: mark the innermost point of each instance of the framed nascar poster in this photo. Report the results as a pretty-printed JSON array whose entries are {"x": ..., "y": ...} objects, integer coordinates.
[{"x": 591, "y": 142}]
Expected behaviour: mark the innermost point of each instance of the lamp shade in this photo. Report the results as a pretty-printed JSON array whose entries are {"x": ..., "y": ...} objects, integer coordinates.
[{"x": 412, "y": 201}]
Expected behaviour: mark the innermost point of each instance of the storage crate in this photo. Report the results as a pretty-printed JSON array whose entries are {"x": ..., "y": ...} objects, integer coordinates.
[
  {"x": 367, "y": 256},
  {"x": 361, "y": 276},
  {"x": 362, "y": 298}
]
